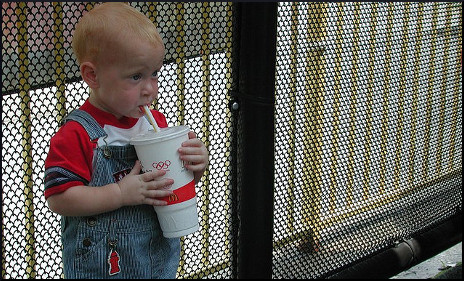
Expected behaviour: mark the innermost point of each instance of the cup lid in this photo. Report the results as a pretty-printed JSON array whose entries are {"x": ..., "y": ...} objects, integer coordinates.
[{"x": 164, "y": 134}]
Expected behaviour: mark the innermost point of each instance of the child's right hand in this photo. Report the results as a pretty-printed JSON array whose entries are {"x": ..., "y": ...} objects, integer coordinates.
[{"x": 144, "y": 188}]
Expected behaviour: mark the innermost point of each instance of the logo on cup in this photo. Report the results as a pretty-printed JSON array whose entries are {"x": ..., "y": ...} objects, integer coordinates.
[
  {"x": 162, "y": 165},
  {"x": 173, "y": 197}
]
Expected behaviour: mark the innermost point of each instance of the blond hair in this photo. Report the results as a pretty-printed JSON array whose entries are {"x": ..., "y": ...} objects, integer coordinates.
[{"x": 106, "y": 25}]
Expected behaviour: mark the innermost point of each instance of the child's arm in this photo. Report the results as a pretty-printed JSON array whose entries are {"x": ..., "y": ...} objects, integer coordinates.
[
  {"x": 195, "y": 155},
  {"x": 133, "y": 189}
]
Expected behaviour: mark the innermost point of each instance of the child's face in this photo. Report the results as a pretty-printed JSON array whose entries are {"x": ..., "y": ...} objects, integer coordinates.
[{"x": 128, "y": 78}]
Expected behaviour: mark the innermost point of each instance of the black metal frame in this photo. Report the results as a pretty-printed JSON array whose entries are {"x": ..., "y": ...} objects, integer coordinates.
[{"x": 255, "y": 98}]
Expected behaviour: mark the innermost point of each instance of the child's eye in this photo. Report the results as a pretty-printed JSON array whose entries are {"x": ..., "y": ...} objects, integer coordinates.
[
  {"x": 137, "y": 77},
  {"x": 155, "y": 74}
]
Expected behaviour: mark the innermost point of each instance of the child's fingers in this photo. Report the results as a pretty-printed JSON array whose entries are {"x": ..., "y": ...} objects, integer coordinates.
[
  {"x": 159, "y": 184},
  {"x": 192, "y": 135},
  {"x": 136, "y": 169},
  {"x": 156, "y": 202},
  {"x": 150, "y": 176},
  {"x": 157, "y": 193},
  {"x": 194, "y": 158}
]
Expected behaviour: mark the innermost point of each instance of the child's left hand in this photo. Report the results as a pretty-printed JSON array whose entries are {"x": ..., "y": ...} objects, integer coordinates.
[{"x": 195, "y": 156}]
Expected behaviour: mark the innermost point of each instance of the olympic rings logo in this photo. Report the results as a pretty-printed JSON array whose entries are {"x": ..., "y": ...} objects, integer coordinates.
[{"x": 162, "y": 165}]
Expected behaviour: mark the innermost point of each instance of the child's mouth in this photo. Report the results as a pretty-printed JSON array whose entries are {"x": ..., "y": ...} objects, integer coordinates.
[{"x": 141, "y": 110}]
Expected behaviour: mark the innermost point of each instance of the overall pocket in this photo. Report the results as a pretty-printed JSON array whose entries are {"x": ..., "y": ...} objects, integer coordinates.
[{"x": 91, "y": 250}]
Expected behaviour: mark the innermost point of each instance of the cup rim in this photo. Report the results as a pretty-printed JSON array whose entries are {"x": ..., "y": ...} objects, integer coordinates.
[{"x": 164, "y": 134}]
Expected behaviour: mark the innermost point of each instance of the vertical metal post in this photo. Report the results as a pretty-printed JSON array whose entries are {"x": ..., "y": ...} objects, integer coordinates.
[
  {"x": 22, "y": 12},
  {"x": 257, "y": 60},
  {"x": 206, "y": 47},
  {"x": 60, "y": 63},
  {"x": 180, "y": 61},
  {"x": 313, "y": 99}
]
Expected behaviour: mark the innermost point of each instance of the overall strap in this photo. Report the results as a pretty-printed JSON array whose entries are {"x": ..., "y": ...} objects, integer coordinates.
[{"x": 89, "y": 123}]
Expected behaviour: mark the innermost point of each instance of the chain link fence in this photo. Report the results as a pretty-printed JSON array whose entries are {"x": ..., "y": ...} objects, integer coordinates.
[{"x": 368, "y": 146}]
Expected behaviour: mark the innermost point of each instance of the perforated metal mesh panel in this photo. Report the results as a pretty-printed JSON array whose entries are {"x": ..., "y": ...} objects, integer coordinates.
[
  {"x": 367, "y": 134},
  {"x": 368, "y": 129},
  {"x": 41, "y": 83}
]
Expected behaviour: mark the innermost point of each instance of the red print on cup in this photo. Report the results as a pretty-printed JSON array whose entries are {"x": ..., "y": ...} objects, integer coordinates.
[{"x": 162, "y": 165}]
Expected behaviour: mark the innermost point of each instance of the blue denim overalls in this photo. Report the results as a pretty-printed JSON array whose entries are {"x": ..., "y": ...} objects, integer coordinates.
[{"x": 125, "y": 243}]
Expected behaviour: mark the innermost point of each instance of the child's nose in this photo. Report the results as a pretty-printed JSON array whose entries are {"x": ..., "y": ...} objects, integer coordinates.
[{"x": 150, "y": 89}]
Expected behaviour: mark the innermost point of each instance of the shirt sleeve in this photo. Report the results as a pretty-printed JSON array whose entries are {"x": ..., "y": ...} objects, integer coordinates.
[
  {"x": 69, "y": 160},
  {"x": 160, "y": 118}
]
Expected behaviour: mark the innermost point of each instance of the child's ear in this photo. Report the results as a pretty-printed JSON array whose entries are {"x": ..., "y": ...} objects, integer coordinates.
[{"x": 89, "y": 74}]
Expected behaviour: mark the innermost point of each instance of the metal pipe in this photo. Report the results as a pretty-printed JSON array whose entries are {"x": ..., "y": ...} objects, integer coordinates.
[{"x": 407, "y": 253}]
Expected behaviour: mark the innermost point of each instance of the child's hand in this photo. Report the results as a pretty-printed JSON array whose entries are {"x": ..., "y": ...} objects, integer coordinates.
[
  {"x": 144, "y": 188},
  {"x": 195, "y": 156}
]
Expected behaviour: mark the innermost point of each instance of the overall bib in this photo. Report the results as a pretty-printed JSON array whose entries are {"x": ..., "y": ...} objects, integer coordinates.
[{"x": 125, "y": 243}]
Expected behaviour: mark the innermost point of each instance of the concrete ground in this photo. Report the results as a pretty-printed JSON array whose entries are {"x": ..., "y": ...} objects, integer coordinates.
[{"x": 446, "y": 265}]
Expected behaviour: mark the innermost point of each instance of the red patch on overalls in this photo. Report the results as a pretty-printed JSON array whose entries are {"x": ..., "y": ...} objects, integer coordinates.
[
  {"x": 113, "y": 261},
  {"x": 121, "y": 174}
]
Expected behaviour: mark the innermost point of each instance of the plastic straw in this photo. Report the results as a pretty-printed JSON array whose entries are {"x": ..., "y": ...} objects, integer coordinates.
[{"x": 150, "y": 118}]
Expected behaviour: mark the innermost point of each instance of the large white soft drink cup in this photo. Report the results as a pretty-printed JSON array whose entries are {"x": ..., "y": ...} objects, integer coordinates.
[{"x": 158, "y": 151}]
